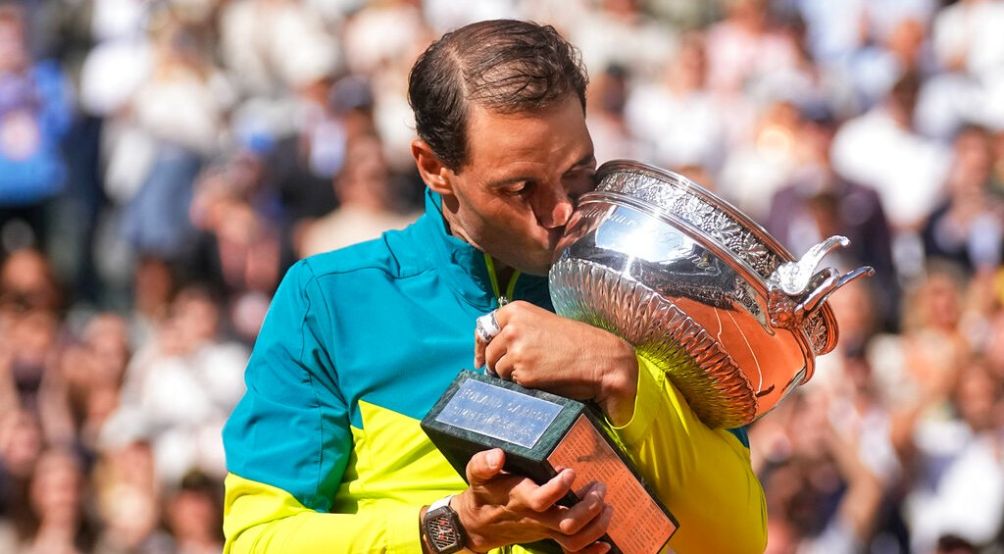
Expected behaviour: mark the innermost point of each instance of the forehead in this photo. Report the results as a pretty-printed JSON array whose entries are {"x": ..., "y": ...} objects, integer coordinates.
[{"x": 553, "y": 138}]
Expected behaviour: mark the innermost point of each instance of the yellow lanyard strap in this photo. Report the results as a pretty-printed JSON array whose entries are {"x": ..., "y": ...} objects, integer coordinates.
[{"x": 510, "y": 288}]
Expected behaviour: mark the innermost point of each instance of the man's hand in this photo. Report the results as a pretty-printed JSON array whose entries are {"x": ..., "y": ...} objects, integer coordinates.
[
  {"x": 540, "y": 350},
  {"x": 499, "y": 509}
]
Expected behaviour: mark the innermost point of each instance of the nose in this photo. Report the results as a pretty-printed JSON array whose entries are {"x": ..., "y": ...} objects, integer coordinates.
[{"x": 555, "y": 211}]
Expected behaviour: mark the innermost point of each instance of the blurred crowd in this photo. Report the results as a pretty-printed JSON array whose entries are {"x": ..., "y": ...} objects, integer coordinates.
[{"x": 162, "y": 162}]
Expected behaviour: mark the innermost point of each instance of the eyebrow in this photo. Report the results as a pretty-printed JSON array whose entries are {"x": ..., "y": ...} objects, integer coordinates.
[
  {"x": 585, "y": 160},
  {"x": 499, "y": 183}
]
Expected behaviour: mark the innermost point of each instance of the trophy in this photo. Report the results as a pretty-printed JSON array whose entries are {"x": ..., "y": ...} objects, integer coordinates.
[{"x": 699, "y": 289}]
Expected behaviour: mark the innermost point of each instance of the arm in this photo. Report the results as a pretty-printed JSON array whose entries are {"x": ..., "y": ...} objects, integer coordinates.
[
  {"x": 288, "y": 442},
  {"x": 860, "y": 503},
  {"x": 262, "y": 518},
  {"x": 703, "y": 475},
  {"x": 289, "y": 445}
]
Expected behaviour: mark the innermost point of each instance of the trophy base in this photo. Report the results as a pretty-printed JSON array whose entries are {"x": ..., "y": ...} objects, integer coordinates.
[{"x": 541, "y": 433}]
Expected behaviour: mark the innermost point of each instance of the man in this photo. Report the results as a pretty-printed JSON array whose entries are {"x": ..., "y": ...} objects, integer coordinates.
[{"x": 325, "y": 450}]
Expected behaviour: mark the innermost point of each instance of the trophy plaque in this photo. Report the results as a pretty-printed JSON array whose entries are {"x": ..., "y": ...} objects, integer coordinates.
[{"x": 540, "y": 434}]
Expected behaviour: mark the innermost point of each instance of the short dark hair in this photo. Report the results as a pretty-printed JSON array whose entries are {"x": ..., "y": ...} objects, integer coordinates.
[{"x": 503, "y": 65}]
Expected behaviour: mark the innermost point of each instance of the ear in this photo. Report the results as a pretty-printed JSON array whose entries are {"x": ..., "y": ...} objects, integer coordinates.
[{"x": 433, "y": 171}]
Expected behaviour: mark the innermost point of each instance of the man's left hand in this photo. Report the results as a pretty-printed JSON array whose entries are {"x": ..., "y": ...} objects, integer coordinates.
[{"x": 541, "y": 350}]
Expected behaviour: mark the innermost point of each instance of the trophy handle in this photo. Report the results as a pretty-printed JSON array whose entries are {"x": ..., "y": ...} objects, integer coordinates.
[
  {"x": 831, "y": 284},
  {"x": 795, "y": 289}
]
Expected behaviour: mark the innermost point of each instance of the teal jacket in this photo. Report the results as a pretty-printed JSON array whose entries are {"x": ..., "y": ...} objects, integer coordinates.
[{"x": 325, "y": 452}]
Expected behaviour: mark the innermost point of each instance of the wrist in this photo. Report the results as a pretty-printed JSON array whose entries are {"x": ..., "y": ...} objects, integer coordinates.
[
  {"x": 422, "y": 537},
  {"x": 441, "y": 531},
  {"x": 474, "y": 541}
]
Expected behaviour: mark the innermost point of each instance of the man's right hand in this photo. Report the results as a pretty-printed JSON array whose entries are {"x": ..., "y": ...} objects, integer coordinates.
[{"x": 500, "y": 509}]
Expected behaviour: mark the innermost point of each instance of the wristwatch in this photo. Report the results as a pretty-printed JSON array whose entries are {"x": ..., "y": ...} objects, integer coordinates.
[{"x": 442, "y": 528}]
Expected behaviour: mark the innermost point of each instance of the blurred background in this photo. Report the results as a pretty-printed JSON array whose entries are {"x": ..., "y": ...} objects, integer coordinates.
[{"x": 162, "y": 162}]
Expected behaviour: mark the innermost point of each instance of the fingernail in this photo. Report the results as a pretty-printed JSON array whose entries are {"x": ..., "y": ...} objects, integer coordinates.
[
  {"x": 567, "y": 476},
  {"x": 600, "y": 489},
  {"x": 494, "y": 459},
  {"x": 604, "y": 547}
]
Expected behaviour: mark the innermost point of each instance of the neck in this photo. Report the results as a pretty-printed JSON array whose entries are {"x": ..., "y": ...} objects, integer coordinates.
[{"x": 501, "y": 275}]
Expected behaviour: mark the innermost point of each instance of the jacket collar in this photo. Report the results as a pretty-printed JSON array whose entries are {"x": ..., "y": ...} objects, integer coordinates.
[{"x": 463, "y": 266}]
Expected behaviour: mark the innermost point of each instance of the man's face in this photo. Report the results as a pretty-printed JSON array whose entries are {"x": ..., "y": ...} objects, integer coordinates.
[{"x": 518, "y": 189}]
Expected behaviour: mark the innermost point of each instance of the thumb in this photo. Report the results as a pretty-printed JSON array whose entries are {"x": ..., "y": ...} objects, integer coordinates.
[{"x": 485, "y": 465}]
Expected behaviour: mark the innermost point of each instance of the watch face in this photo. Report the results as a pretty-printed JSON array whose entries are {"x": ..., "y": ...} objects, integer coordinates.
[{"x": 442, "y": 530}]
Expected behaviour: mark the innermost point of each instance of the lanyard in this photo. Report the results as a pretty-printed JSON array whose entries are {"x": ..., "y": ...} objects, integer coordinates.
[{"x": 510, "y": 289}]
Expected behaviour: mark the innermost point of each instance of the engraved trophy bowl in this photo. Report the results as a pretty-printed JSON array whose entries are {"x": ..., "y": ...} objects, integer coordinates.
[{"x": 698, "y": 288}]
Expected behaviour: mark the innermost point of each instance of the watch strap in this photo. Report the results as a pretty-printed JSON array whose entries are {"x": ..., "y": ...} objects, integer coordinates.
[{"x": 445, "y": 501}]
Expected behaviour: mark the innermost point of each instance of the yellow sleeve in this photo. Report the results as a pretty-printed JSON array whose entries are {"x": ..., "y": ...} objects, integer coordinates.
[
  {"x": 702, "y": 475},
  {"x": 261, "y": 518}
]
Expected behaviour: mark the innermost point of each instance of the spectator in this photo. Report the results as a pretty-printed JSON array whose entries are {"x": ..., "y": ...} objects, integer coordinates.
[
  {"x": 21, "y": 447},
  {"x": 754, "y": 171},
  {"x": 181, "y": 386},
  {"x": 823, "y": 468},
  {"x": 881, "y": 149},
  {"x": 959, "y": 478},
  {"x": 678, "y": 119},
  {"x": 618, "y": 32},
  {"x": 193, "y": 515},
  {"x": 35, "y": 114},
  {"x": 968, "y": 227},
  {"x": 607, "y": 122},
  {"x": 27, "y": 283},
  {"x": 745, "y": 47},
  {"x": 875, "y": 69},
  {"x": 366, "y": 205},
  {"x": 240, "y": 243},
  {"x": 56, "y": 499},
  {"x": 819, "y": 203},
  {"x": 966, "y": 36},
  {"x": 181, "y": 108},
  {"x": 997, "y": 178},
  {"x": 127, "y": 493}
]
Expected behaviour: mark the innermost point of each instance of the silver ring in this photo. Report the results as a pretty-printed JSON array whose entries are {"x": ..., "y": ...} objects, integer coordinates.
[{"x": 487, "y": 327}]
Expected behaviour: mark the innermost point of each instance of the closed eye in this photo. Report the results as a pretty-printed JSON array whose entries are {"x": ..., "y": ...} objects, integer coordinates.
[{"x": 518, "y": 189}]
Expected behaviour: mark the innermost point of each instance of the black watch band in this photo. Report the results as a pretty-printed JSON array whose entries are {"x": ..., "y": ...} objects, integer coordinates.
[{"x": 442, "y": 529}]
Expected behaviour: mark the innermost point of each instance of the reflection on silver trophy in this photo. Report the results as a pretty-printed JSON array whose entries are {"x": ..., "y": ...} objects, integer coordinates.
[{"x": 698, "y": 288}]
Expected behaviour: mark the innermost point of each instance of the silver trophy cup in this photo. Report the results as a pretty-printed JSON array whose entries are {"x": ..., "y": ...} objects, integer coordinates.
[{"x": 699, "y": 289}]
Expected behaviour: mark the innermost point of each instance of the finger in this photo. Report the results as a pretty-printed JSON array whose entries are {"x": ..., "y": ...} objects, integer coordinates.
[
  {"x": 505, "y": 367},
  {"x": 518, "y": 310},
  {"x": 599, "y": 547},
  {"x": 486, "y": 327},
  {"x": 495, "y": 350},
  {"x": 479, "y": 350},
  {"x": 541, "y": 498},
  {"x": 485, "y": 466},
  {"x": 589, "y": 534},
  {"x": 575, "y": 518},
  {"x": 504, "y": 314}
]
